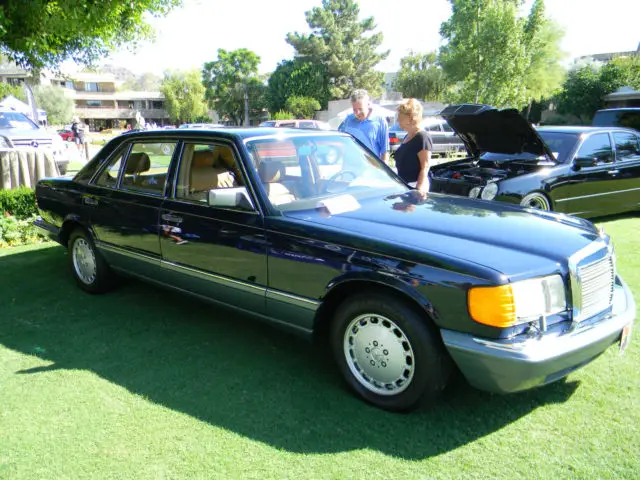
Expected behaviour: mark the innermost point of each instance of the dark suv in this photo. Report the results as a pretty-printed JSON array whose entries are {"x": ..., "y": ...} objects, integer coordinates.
[
  {"x": 618, "y": 117},
  {"x": 442, "y": 135}
]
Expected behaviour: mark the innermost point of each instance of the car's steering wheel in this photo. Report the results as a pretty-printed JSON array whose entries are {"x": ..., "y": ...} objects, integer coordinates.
[{"x": 334, "y": 178}]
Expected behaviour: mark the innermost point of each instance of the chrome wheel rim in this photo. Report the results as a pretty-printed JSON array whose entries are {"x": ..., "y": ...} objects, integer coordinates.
[
  {"x": 536, "y": 201},
  {"x": 379, "y": 354},
  {"x": 84, "y": 261}
]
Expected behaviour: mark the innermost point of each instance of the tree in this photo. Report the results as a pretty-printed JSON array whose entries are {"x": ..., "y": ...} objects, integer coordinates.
[
  {"x": 147, "y": 82},
  {"x": 344, "y": 44},
  {"x": 585, "y": 88},
  {"x": 232, "y": 84},
  {"x": 497, "y": 57},
  {"x": 302, "y": 107},
  {"x": 298, "y": 77},
  {"x": 184, "y": 96},
  {"x": 7, "y": 89},
  {"x": 421, "y": 77},
  {"x": 53, "y": 100},
  {"x": 43, "y": 33}
]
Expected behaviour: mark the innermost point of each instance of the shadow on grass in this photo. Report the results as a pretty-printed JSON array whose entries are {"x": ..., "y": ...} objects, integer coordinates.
[{"x": 228, "y": 370}]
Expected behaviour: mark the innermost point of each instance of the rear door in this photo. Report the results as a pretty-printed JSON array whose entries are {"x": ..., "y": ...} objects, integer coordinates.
[{"x": 125, "y": 214}]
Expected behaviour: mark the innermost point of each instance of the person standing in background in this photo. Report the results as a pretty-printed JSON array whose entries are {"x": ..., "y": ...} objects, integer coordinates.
[
  {"x": 78, "y": 135},
  {"x": 371, "y": 129},
  {"x": 414, "y": 154}
]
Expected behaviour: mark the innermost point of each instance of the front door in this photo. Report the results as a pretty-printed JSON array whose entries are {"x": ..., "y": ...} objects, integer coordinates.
[
  {"x": 590, "y": 190},
  {"x": 627, "y": 170},
  {"x": 211, "y": 232}
]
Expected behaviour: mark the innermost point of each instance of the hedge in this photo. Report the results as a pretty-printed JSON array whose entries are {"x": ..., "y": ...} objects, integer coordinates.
[{"x": 19, "y": 202}]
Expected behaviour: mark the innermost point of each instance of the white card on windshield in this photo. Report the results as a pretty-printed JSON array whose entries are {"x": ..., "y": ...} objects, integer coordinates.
[{"x": 339, "y": 204}]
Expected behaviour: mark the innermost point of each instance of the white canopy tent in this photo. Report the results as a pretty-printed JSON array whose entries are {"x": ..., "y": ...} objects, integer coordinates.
[{"x": 17, "y": 105}]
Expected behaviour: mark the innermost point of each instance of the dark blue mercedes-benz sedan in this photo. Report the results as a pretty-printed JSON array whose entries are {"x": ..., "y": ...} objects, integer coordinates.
[{"x": 311, "y": 232}]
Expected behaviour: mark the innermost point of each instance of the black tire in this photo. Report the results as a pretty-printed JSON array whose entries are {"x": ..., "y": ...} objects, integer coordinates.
[
  {"x": 90, "y": 270},
  {"x": 424, "y": 366}
]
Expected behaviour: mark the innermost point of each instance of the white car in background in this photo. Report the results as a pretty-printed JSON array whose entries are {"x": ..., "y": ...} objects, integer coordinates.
[{"x": 17, "y": 131}]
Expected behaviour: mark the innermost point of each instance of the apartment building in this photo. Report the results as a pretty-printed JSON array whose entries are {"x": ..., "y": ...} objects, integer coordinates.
[{"x": 99, "y": 102}]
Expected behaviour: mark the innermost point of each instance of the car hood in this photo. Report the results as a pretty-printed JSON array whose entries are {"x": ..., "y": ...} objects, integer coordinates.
[
  {"x": 500, "y": 237},
  {"x": 483, "y": 129}
]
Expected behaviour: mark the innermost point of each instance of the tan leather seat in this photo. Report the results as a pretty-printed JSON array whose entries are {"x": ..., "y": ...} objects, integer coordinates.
[
  {"x": 137, "y": 163},
  {"x": 205, "y": 176},
  {"x": 271, "y": 174}
]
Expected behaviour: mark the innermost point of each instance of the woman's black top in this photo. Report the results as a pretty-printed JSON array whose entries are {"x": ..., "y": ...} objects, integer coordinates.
[{"x": 406, "y": 156}]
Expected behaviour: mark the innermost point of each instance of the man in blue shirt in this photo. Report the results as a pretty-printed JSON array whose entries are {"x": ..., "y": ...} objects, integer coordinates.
[{"x": 369, "y": 128}]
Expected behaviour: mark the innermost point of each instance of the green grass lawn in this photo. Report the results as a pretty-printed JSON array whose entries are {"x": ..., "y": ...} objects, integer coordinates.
[{"x": 142, "y": 383}]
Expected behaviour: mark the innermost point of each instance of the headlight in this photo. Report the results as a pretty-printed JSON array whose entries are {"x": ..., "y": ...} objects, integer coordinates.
[
  {"x": 520, "y": 302},
  {"x": 475, "y": 192},
  {"x": 5, "y": 143},
  {"x": 490, "y": 191}
]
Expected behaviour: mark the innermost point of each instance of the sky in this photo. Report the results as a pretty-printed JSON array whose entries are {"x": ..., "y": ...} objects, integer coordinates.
[{"x": 191, "y": 35}]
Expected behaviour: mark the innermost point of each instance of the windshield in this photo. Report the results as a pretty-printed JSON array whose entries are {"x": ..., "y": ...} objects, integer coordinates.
[
  {"x": 312, "y": 171},
  {"x": 16, "y": 120},
  {"x": 560, "y": 144}
]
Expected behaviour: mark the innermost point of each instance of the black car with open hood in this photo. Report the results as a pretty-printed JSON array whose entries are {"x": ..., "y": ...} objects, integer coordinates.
[{"x": 582, "y": 171}]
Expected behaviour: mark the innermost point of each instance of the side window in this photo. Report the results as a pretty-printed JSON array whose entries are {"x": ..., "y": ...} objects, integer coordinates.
[
  {"x": 210, "y": 174},
  {"x": 288, "y": 125},
  {"x": 447, "y": 128},
  {"x": 597, "y": 146},
  {"x": 307, "y": 125},
  {"x": 109, "y": 176},
  {"x": 146, "y": 167},
  {"x": 434, "y": 128},
  {"x": 627, "y": 146}
]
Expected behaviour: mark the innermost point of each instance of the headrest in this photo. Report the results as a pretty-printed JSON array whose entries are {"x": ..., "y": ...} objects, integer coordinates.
[
  {"x": 224, "y": 157},
  {"x": 138, "y": 162},
  {"x": 202, "y": 158},
  {"x": 271, "y": 171}
]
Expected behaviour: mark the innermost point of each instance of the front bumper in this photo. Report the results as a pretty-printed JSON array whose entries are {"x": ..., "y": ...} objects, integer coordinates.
[{"x": 512, "y": 365}]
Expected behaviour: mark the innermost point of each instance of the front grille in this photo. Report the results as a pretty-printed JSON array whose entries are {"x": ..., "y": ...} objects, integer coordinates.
[
  {"x": 27, "y": 142},
  {"x": 596, "y": 285}
]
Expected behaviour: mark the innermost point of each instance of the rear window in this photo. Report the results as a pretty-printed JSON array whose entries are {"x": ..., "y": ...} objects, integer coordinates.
[{"x": 617, "y": 118}]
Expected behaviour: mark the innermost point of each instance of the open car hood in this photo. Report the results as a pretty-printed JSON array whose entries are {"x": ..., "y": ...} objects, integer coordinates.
[{"x": 483, "y": 129}]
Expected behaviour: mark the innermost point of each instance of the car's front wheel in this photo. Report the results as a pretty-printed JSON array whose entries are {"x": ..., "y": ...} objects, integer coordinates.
[
  {"x": 536, "y": 200},
  {"x": 388, "y": 353},
  {"x": 87, "y": 265}
]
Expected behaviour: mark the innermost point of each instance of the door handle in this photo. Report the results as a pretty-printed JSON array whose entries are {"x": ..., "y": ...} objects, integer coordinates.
[
  {"x": 167, "y": 217},
  {"x": 614, "y": 172},
  {"x": 90, "y": 201}
]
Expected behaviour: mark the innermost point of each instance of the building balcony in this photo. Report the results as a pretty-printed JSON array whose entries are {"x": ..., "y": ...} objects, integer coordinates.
[{"x": 107, "y": 113}]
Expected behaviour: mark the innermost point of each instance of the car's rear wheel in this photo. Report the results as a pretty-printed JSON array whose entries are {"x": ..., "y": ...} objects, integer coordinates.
[
  {"x": 536, "y": 200},
  {"x": 87, "y": 265},
  {"x": 387, "y": 353}
]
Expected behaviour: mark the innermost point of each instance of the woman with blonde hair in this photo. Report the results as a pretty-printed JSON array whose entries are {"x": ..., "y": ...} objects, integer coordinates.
[{"x": 414, "y": 154}]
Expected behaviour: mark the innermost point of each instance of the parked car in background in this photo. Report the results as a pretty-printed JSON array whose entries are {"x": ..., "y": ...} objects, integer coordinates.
[
  {"x": 17, "y": 131},
  {"x": 311, "y": 232},
  {"x": 618, "y": 117},
  {"x": 584, "y": 171},
  {"x": 298, "y": 123},
  {"x": 66, "y": 134},
  {"x": 442, "y": 135},
  {"x": 201, "y": 125}
]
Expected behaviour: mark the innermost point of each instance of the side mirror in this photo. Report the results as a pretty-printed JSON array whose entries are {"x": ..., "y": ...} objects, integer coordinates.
[
  {"x": 581, "y": 162},
  {"x": 236, "y": 197}
]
